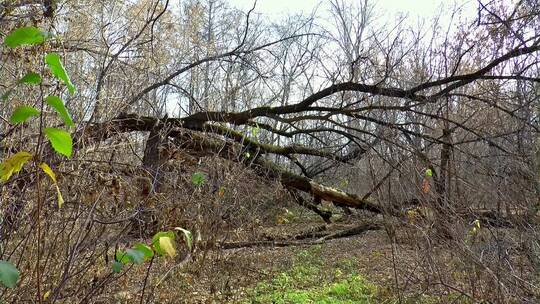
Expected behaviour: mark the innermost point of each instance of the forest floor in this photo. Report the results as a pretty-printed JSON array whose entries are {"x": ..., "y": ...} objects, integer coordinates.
[
  {"x": 400, "y": 262},
  {"x": 365, "y": 268}
]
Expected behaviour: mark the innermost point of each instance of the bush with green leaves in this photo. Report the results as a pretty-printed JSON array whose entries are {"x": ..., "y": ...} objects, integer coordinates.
[
  {"x": 60, "y": 139},
  {"x": 162, "y": 245}
]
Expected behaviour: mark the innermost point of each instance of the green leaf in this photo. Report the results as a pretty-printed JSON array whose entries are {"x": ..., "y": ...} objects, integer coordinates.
[
  {"x": 31, "y": 78},
  {"x": 13, "y": 164},
  {"x": 198, "y": 178},
  {"x": 58, "y": 105},
  {"x": 135, "y": 256},
  {"x": 57, "y": 69},
  {"x": 429, "y": 173},
  {"x": 9, "y": 274},
  {"x": 26, "y": 36},
  {"x": 145, "y": 249},
  {"x": 116, "y": 267},
  {"x": 188, "y": 236},
  {"x": 22, "y": 113},
  {"x": 122, "y": 257},
  {"x": 162, "y": 242},
  {"x": 255, "y": 130},
  {"x": 60, "y": 140}
]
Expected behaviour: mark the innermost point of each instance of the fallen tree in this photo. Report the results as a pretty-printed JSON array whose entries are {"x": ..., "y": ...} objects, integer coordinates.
[
  {"x": 208, "y": 143},
  {"x": 318, "y": 238},
  {"x": 234, "y": 149}
]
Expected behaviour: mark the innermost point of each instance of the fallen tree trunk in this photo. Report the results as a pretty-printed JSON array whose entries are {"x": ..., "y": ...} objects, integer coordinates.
[
  {"x": 493, "y": 218},
  {"x": 205, "y": 143},
  {"x": 213, "y": 144},
  {"x": 307, "y": 185},
  {"x": 325, "y": 215},
  {"x": 354, "y": 231}
]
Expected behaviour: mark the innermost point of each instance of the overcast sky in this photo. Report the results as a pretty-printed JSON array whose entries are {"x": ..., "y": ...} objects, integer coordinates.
[{"x": 414, "y": 8}]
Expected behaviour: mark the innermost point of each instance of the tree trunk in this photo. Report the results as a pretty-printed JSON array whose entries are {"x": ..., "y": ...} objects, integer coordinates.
[{"x": 152, "y": 159}]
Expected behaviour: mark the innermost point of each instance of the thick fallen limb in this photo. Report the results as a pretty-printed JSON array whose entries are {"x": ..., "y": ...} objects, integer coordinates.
[
  {"x": 313, "y": 232},
  {"x": 209, "y": 143},
  {"x": 325, "y": 215},
  {"x": 493, "y": 218},
  {"x": 305, "y": 184},
  {"x": 354, "y": 231}
]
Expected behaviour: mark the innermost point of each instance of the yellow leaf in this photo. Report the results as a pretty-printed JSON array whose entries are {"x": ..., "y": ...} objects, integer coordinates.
[
  {"x": 166, "y": 245},
  {"x": 49, "y": 171},
  {"x": 46, "y": 295},
  {"x": 60, "y": 198},
  {"x": 51, "y": 174},
  {"x": 14, "y": 164}
]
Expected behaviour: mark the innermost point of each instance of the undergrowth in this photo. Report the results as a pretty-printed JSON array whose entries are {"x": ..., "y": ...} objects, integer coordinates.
[{"x": 311, "y": 280}]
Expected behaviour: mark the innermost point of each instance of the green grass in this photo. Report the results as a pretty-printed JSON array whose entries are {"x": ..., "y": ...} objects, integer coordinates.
[
  {"x": 284, "y": 289},
  {"x": 309, "y": 280}
]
